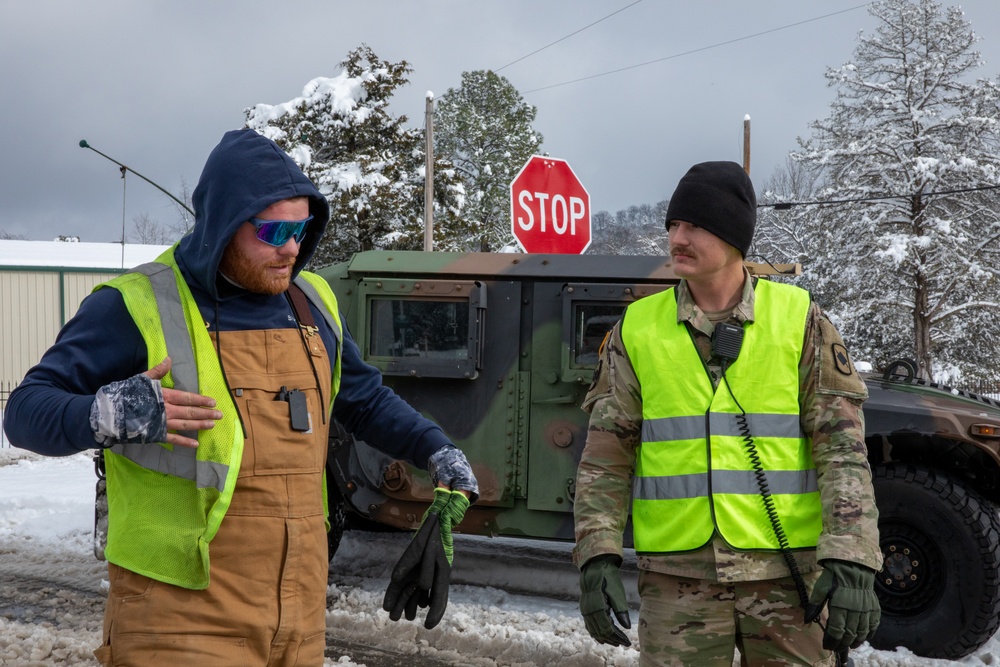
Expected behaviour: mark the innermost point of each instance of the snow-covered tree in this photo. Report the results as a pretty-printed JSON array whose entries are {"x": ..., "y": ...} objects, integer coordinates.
[
  {"x": 364, "y": 160},
  {"x": 484, "y": 128},
  {"x": 786, "y": 233},
  {"x": 914, "y": 133},
  {"x": 636, "y": 230}
]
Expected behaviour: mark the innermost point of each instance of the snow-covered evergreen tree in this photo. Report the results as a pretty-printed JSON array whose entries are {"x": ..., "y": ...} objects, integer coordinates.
[
  {"x": 484, "y": 128},
  {"x": 916, "y": 272},
  {"x": 363, "y": 159}
]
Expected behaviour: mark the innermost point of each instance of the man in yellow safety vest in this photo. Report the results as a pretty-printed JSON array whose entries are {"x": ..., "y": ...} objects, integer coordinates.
[
  {"x": 725, "y": 413},
  {"x": 210, "y": 378}
]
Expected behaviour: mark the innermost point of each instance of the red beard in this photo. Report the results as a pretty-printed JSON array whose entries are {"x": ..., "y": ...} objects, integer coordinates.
[{"x": 241, "y": 269}]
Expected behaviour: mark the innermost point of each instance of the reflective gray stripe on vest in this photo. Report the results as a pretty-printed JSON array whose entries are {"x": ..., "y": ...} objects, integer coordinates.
[
  {"x": 722, "y": 424},
  {"x": 742, "y": 482},
  {"x": 175, "y": 332},
  {"x": 182, "y": 461}
]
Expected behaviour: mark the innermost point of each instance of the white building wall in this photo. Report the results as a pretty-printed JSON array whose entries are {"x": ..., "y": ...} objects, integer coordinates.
[
  {"x": 41, "y": 286},
  {"x": 29, "y": 307}
]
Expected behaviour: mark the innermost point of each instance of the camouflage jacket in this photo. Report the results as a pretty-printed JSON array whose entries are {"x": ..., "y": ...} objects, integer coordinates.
[{"x": 830, "y": 398}]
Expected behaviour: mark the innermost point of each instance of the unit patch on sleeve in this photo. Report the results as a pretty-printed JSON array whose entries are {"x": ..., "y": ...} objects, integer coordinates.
[{"x": 841, "y": 360}]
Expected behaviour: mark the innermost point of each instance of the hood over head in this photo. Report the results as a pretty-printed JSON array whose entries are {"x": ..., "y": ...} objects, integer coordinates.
[{"x": 243, "y": 175}]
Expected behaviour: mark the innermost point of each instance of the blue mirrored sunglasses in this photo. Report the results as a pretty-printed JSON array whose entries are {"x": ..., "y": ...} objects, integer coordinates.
[{"x": 277, "y": 232}]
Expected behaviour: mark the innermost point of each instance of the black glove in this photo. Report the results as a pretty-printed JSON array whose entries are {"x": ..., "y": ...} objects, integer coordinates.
[
  {"x": 854, "y": 609},
  {"x": 423, "y": 573},
  {"x": 601, "y": 592},
  {"x": 420, "y": 577}
]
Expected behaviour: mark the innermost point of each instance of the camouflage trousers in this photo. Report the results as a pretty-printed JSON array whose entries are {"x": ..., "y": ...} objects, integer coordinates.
[{"x": 697, "y": 622}]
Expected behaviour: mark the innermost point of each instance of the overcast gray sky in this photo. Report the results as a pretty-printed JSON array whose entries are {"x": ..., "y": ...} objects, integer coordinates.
[{"x": 156, "y": 84}]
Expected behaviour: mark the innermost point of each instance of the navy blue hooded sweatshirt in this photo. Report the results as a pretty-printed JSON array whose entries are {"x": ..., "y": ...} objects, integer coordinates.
[{"x": 49, "y": 412}]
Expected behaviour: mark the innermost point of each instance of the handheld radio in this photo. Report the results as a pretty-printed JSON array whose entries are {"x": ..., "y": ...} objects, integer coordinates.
[{"x": 727, "y": 339}]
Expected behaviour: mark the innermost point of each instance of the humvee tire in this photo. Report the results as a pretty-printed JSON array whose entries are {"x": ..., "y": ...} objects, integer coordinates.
[{"x": 939, "y": 587}]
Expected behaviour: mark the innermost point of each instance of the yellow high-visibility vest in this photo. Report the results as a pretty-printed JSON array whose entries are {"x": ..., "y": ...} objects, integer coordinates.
[
  {"x": 694, "y": 473},
  {"x": 165, "y": 504}
]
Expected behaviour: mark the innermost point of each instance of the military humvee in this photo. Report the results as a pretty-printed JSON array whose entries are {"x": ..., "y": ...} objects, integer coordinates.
[{"x": 499, "y": 349}]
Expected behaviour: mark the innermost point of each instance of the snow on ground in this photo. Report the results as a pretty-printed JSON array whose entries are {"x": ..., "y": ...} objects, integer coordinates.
[{"x": 46, "y": 520}]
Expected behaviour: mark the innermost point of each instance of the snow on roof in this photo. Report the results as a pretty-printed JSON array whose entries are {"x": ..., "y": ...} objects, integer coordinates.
[{"x": 76, "y": 255}]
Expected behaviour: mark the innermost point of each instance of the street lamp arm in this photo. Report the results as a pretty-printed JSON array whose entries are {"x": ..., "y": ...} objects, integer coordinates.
[{"x": 84, "y": 144}]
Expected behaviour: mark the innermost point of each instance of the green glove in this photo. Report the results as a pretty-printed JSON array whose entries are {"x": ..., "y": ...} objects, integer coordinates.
[
  {"x": 854, "y": 611},
  {"x": 450, "y": 506},
  {"x": 601, "y": 591}
]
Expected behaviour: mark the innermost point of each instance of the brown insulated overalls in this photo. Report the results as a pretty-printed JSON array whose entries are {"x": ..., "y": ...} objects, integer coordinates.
[{"x": 266, "y": 602}]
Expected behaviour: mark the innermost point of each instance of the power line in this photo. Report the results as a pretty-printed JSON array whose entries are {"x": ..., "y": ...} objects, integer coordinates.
[
  {"x": 567, "y": 36},
  {"x": 703, "y": 48},
  {"x": 785, "y": 205}
]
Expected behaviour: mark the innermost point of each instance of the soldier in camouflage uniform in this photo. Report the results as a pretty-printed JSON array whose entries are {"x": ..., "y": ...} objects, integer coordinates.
[{"x": 703, "y": 600}]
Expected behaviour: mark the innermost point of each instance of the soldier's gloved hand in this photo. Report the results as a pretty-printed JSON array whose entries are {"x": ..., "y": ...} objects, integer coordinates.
[
  {"x": 449, "y": 467},
  {"x": 601, "y": 592},
  {"x": 129, "y": 411},
  {"x": 854, "y": 611}
]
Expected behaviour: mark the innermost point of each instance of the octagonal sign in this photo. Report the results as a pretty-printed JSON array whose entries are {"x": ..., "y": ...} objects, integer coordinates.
[{"x": 550, "y": 208}]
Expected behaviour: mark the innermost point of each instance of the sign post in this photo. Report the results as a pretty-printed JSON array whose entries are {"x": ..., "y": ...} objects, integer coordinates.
[{"x": 550, "y": 208}]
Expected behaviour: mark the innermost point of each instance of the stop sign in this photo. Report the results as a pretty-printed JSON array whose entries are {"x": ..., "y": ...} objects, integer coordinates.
[{"x": 550, "y": 208}]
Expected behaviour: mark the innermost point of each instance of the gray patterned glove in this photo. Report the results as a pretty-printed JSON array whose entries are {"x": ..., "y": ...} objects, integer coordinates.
[
  {"x": 129, "y": 412},
  {"x": 449, "y": 466}
]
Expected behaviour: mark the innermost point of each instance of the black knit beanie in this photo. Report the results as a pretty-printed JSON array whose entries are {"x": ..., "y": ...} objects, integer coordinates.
[{"x": 718, "y": 197}]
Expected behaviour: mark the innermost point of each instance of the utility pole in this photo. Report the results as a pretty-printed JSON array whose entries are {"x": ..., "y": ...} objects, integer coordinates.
[
  {"x": 429, "y": 175},
  {"x": 746, "y": 144}
]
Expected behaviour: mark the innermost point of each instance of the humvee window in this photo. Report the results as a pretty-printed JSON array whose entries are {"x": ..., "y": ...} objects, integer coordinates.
[
  {"x": 592, "y": 322},
  {"x": 427, "y": 329},
  {"x": 590, "y": 310},
  {"x": 423, "y": 328}
]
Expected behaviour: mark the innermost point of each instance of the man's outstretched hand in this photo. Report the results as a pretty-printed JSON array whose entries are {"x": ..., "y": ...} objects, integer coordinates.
[
  {"x": 139, "y": 410},
  {"x": 185, "y": 411}
]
